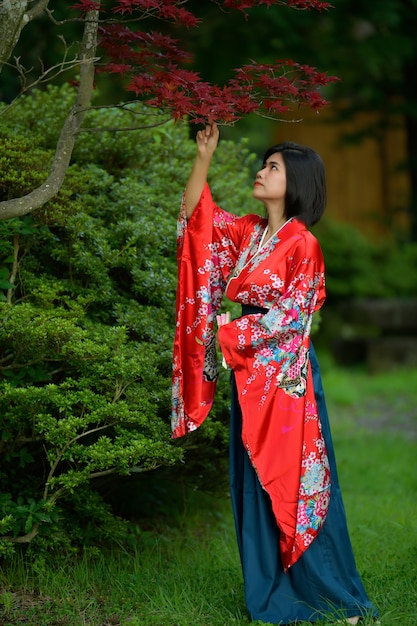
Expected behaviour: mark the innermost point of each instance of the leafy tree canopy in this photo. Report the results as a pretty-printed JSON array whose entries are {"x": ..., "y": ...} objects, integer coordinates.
[{"x": 109, "y": 39}]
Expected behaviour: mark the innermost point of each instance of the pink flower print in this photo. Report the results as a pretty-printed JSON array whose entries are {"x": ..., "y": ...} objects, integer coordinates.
[
  {"x": 299, "y": 298},
  {"x": 267, "y": 271},
  {"x": 307, "y": 539},
  {"x": 203, "y": 294},
  {"x": 294, "y": 343},
  {"x": 225, "y": 259},
  {"x": 320, "y": 445},
  {"x": 291, "y": 316},
  {"x": 256, "y": 333},
  {"x": 277, "y": 282},
  {"x": 270, "y": 371},
  {"x": 297, "y": 343},
  {"x": 322, "y": 504},
  {"x": 243, "y": 296},
  {"x": 241, "y": 339},
  {"x": 242, "y": 323},
  {"x": 265, "y": 353},
  {"x": 302, "y": 519},
  {"x": 309, "y": 461}
]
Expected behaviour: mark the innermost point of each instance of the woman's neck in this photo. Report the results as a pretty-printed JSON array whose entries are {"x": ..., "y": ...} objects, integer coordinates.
[{"x": 273, "y": 226}]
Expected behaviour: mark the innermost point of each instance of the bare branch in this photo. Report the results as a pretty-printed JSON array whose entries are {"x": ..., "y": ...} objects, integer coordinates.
[
  {"x": 45, "y": 76},
  {"x": 117, "y": 129}
]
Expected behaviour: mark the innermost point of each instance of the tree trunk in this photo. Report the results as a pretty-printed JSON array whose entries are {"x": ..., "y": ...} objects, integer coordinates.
[
  {"x": 38, "y": 197},
  {"x": 13, "y": 18}
]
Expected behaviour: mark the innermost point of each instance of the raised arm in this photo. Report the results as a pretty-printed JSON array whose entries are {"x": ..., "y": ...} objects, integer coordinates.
[{"x": 207, "y": 141}]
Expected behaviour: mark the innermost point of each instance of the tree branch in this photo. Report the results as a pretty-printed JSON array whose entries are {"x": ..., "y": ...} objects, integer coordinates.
[
  {"x": 24, "y": 538},
  {"x": 46, "y": 76},
  {"x": 38, "y": 9},
  {"x": 14, "y": 16},
  {"x": 17, "y": 207}
]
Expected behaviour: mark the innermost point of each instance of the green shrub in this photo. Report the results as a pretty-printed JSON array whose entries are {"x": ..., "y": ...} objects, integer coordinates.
[
  {"x": 87, "y": 320},
  {"x": 357, "y": 267}
]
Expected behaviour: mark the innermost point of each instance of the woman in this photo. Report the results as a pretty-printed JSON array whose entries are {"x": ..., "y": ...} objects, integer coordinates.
[{"x": 294, "y": 546}]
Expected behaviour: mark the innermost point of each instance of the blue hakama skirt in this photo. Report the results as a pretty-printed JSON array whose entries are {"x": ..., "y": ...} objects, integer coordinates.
[{"x": 324, "y": 582}]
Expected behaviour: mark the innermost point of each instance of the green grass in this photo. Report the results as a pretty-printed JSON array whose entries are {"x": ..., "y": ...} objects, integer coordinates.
[{"x": 188, "y": 574}]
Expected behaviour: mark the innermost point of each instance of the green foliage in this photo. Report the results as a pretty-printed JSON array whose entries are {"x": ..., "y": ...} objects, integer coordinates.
[
  {"x": 186, "y": 571},
  {"x": 87, "y": 319},
  {"x": 35, "y": 120},
  {"x": 357, "y": 267},
  {"x": 22, "y": 166}
]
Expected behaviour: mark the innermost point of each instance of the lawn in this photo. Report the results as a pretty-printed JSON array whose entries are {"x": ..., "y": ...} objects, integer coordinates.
[{"x": 188, "y": 573}]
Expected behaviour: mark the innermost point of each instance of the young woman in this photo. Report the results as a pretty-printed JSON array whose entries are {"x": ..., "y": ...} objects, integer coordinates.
[{"x": 294, "y": 546}]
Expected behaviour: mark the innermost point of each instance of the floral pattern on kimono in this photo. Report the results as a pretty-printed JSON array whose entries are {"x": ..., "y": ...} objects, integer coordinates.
[
  {"x": 268, "y": 353},
  {"x": 207, "y": 252}
]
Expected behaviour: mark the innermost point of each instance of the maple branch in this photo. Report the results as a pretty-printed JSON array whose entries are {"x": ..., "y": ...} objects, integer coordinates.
[
  {"x": 125, "y": 106},
  {"x": 38, "y": 197},
  {"x": 50, "y": 14},
  {"x": 115, "y": 129}
]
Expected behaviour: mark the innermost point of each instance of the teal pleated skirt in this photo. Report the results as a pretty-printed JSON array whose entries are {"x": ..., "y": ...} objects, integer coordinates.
[{"x": 325, "y": 580}]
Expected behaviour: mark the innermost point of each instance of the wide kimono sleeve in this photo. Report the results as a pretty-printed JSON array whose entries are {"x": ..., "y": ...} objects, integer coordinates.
[
  {"x": 207, "y": 248},
  {"x": 281, "y": 430}
]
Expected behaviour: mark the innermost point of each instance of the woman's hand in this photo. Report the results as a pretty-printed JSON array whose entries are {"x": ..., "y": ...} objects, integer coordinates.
[{"x": 207, "y": 140}]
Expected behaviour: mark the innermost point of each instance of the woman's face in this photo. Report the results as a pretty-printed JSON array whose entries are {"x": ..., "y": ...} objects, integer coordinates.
[{"x": 271, "y": 182}]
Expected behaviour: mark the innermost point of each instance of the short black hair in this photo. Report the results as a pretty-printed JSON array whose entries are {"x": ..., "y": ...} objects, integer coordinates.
[{"x": 306, "y": 181}]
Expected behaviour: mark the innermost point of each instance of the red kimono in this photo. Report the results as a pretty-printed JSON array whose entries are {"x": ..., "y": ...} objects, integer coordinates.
[{"x": 220, "y": 253}]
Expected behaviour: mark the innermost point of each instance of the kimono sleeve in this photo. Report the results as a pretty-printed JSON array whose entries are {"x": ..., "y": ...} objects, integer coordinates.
[
  {"x": 283, "y": 332},
  {"x": 207, "y": 248}
]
